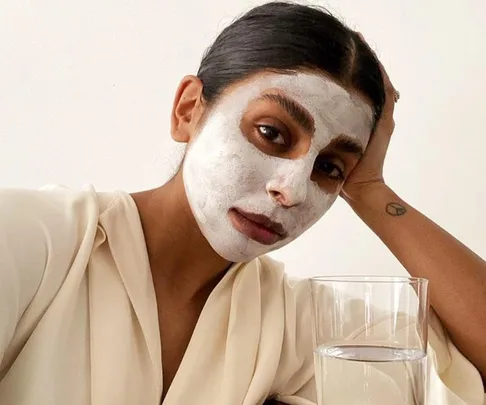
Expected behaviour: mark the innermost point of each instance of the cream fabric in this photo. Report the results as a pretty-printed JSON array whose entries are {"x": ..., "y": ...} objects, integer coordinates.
[{"x": 79, "y": 325}]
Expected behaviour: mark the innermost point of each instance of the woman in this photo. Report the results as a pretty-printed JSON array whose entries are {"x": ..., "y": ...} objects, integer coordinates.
[{"x": 101, "y": 292}]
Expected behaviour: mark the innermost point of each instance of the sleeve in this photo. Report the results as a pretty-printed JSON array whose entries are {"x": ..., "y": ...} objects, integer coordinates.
[
  {"x": 452, "y": 378},
  {"x": 31, "y": 227}
]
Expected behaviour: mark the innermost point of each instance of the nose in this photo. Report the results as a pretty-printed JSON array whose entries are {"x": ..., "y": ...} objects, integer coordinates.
[
  {"x": 288, "y": 185},
  {"x": 287, "y": 196}
]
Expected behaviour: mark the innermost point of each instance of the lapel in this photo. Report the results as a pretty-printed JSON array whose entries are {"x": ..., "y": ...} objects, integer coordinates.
[{"x": 125, "y": 342}]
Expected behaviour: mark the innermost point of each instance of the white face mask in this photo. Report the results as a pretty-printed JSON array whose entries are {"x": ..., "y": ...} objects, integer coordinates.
[{"x": 225, "y": 175}]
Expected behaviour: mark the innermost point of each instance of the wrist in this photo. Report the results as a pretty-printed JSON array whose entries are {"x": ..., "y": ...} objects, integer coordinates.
[
  {"x": 377, "y": 202},
  {"x": 367, "y": 194}
]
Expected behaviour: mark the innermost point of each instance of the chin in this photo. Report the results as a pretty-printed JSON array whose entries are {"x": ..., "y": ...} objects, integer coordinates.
[{"x": 241, "y": 252}]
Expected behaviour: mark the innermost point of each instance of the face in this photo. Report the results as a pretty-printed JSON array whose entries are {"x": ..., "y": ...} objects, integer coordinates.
[{"x": 271, "y": 159}]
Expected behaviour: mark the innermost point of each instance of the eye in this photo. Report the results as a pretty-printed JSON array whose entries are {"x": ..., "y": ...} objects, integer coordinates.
[
  {"x": 326, "y": 167},
  {"x": 271, "y": 134}
]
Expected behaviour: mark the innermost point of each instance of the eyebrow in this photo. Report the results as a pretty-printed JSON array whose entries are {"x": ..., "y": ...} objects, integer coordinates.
[
  {"x": 299, "y": 114},
  {"x": 345, "y": 144}
]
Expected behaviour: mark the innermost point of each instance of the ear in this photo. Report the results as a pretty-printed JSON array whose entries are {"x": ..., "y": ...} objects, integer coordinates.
[{"x": 187, "y": 109}]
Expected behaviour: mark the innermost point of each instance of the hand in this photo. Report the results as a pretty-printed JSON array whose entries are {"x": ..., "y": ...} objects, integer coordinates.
[{"x": 368, "y": 173}]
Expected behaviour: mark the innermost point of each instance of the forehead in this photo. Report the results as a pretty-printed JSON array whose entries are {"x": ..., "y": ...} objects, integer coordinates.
[{"x": 334, "y": 109}]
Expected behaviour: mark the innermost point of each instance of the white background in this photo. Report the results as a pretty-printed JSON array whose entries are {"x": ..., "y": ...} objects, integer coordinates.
[{"x": 86, "y": 89}]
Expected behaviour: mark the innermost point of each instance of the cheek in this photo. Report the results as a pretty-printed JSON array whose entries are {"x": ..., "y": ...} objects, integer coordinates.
[
  {"x": 316, "y": 205},
  {"x": 224, "y": 164},
  {"x": 319, "y": 202},
  {"x": 326, "y": 185}
]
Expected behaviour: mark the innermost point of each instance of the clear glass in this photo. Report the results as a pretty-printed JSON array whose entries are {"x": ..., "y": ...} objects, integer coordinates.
[{"x": 370, "y": 339}]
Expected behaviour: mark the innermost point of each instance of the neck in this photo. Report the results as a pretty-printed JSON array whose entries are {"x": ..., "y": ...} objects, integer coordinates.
[{"x": 181, "y": 259}]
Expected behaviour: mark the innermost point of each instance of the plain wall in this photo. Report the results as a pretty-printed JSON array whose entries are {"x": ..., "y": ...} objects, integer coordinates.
[{"x": 86, "y": 89}]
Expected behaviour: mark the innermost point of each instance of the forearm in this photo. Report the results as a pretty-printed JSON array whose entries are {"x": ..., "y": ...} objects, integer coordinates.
[{"x": 457, "y": 275}]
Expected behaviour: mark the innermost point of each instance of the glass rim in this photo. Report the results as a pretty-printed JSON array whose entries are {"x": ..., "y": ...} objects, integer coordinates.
[{"x": 369, "y": 279}]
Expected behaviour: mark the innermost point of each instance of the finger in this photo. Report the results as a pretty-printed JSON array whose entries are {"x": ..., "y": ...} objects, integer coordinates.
[
  {"x": 389, "y": 107},
  {"x": 386, "y": 78},
  {"x": 390, "y": 92}
]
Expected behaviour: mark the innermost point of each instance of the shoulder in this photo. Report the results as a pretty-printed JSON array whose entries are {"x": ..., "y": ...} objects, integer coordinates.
[
  {"x": 43, "y": 233},
  {"x": 52, "y": 207},
  {"x": 45, "y": 203},
  {"x": 45, "y": 229}
]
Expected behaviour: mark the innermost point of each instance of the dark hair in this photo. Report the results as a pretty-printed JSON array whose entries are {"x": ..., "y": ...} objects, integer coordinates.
[{"x": 286, "y": 37}]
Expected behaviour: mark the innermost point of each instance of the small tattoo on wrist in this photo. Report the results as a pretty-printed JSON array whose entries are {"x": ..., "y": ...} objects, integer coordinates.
[{"x": 395, "y": 209}]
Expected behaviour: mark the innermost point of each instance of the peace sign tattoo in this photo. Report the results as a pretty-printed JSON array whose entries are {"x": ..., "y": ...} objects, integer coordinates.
[{"x": 395, "y": 209}]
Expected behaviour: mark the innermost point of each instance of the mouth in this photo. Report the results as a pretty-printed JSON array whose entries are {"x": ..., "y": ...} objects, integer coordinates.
[{"x": 257, "y": 227}]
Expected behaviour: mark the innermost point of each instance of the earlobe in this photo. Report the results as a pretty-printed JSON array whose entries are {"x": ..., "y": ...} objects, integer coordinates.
[{"x": 187, "y": 109}]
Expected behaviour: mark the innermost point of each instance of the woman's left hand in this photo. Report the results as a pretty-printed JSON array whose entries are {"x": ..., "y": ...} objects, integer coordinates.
[{"x": 369, "y": 171}]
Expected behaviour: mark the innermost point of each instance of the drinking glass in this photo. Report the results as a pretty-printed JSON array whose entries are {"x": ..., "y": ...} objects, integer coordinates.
[{"x": 370, "y": 339}]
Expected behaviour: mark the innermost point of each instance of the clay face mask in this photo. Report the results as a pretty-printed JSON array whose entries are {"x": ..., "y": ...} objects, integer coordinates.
[{"x": 231, "y": 184}]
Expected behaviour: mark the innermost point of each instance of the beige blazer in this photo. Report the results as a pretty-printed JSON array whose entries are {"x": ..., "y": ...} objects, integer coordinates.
[{"x": 79, "y": 324}]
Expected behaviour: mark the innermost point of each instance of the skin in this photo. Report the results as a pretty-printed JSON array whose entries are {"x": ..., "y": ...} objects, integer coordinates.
[{"x": 185, "y": 268}]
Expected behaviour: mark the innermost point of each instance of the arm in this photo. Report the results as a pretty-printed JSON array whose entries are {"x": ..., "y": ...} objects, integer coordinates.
[
  {"x": 38, "y": 240},
  {"x": 457, "y": 275},
  {"x": 23, "y": 254}
]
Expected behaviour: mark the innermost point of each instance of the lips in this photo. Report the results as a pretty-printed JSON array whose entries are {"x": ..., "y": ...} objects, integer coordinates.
[{"x": 257, "y": 227}]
